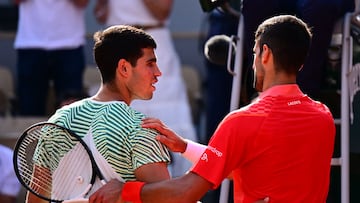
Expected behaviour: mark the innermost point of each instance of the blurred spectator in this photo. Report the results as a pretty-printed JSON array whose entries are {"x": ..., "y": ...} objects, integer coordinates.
[
  {"x": 9, "y": 184},
  {"x": 170, "y": 102},
  {"x": 49, "y": 43}
]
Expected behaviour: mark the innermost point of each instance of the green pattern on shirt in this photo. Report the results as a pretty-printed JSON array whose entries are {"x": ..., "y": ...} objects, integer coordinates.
[{"x": 117, "y": 134}]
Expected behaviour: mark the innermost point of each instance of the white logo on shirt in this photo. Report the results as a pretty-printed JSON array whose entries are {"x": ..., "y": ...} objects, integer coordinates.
[
  {"x": 215, "y": 151},
  {"x": 204, "y": 157},
  {"x": 292, "y": 103}
]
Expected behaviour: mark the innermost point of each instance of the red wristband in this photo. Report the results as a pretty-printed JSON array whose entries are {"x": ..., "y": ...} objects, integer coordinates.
[{"x": 131, "y": 191}]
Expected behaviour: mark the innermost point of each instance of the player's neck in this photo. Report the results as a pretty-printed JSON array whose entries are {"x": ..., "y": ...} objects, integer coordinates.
[
  {"x": 279, "y": 79},
  {"x": 106, "y": 94}
]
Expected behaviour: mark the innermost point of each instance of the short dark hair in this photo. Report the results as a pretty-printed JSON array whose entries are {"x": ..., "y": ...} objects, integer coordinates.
[
  {"x": 119, "y": 42},
  {"x": 289, "y": 39}
]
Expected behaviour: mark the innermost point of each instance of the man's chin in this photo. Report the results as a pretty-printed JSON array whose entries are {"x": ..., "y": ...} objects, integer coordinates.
[
  {"x": 148, "y": 97},
  {"x": 144, "y": 97}
]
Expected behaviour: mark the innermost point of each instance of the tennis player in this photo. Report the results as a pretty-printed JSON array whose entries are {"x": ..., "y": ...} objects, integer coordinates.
[
  {"x": 280, "y": 146},
  {"x": 127, "y": 64}
]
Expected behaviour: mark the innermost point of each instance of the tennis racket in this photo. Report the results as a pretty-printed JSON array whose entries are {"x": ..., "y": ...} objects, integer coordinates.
[{"x": 55, "y": 164}]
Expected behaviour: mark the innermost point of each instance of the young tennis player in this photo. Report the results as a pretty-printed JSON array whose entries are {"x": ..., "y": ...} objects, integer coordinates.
[{"x": 127, "y": 64}]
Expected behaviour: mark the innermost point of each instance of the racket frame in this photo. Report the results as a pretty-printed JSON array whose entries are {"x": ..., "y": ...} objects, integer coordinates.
[{"x": 95, "y": 169}]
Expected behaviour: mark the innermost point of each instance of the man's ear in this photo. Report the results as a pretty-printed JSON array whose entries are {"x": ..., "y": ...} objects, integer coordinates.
[
  {"x": 123, "y": 67},
  {"x": 266, "y": 54}
]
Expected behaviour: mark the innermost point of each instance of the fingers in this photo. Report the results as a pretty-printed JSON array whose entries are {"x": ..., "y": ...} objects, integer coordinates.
[
  {"x": 154, "y": 124},
  {"x": 166, "y": 136},
  {"x": 109, "y": 193},
  {"x": 166, "y": 141},
  {"x": 174, "y": 144},
  {"x": 151, "y": 119},
  {"x": 161, "y": 138}
]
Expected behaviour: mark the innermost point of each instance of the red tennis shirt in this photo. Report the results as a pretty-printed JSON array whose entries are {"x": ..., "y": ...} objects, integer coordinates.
[{"x": 280, "y": 147}]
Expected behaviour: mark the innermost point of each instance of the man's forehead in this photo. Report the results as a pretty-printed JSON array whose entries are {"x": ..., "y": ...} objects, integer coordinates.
[{"x": 148, "y": 54}]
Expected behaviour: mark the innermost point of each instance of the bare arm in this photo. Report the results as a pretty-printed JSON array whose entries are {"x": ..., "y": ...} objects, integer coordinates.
[
  {"x": 160, "y": 9},
  {"x": 154, "y": 172},
  {"x": 111, "y": 192},
  {"x": 188, "y": 188}
]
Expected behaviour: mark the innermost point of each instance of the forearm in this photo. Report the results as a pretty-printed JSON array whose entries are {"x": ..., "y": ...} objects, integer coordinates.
[
  {"x": 160, "y": 9},
  {"x": 175, "y": 190}
]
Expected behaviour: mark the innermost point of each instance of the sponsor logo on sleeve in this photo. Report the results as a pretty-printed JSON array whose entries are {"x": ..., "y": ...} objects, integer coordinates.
[{"x": 204, "y": 156}]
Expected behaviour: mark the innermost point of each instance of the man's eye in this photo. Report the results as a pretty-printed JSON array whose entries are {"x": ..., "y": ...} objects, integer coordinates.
[{"x": 152, "y": 64}]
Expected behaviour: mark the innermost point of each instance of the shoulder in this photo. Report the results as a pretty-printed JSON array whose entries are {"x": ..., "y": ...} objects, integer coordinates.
[
  {"x": 244, "y": 121},
  {"x": 259, "y": 109},
  {"x": 320, "y": 107}
]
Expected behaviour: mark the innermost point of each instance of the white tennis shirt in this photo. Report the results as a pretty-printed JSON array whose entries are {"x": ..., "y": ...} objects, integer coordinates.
[{"x": 50, "y": 24}]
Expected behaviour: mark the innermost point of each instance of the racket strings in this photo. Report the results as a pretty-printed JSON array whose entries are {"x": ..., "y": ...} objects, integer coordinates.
[
  {"x": 78, "y": 176},
  {"x": 40, "y": 180},
  {"x": 39, "y": 183},
  {"x": 50, "y": 160}
]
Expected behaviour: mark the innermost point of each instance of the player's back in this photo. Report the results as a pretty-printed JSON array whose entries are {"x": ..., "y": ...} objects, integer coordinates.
[{"x": 291, "y": 153}]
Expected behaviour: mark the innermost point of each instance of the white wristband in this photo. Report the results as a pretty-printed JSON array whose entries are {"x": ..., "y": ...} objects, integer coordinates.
[{"x": 193, "y": 151}]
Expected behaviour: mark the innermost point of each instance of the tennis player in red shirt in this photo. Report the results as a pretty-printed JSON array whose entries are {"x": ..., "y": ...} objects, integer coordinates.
[{"x": 279, "y": 146}]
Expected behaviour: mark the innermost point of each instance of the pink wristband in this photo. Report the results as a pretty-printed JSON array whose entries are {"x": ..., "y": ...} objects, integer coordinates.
[{"x": 131, "y": 191}]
